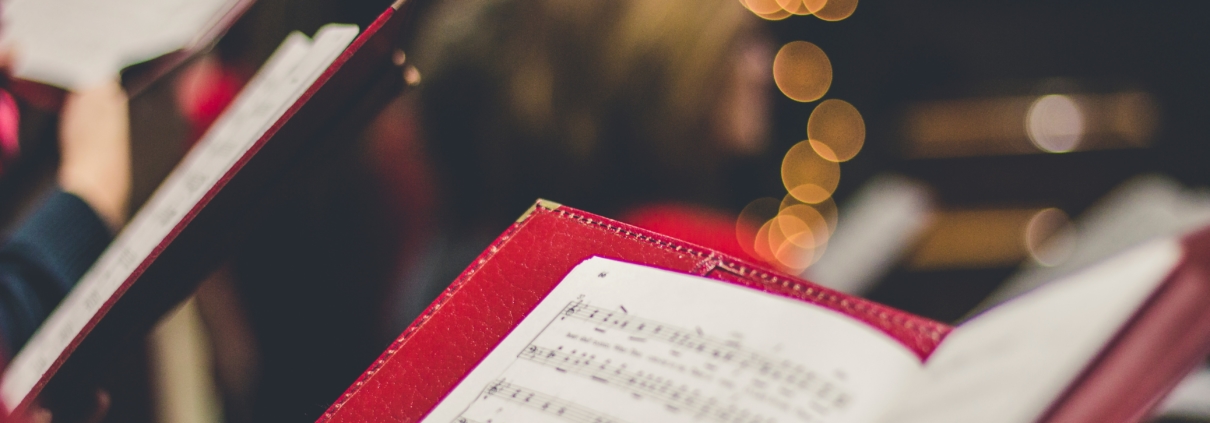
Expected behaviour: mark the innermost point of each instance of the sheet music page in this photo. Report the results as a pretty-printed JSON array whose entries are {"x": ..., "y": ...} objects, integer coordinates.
[
  {"x": 1011, "y": 363},
  {"x": 618, "y": 342},
  {"x": 293, "y": 68},
  {"x": 76, "y": 43}
]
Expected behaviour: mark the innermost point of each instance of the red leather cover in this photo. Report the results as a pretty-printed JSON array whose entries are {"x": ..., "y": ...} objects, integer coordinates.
[{"x": 516, "y": 272}]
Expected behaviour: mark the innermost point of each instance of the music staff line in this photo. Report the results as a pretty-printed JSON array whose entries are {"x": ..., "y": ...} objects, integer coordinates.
[
  {"x": 641, "y": 385},
  {"x": 536, "y": 400},
  {"x": 726, "y": 351}
]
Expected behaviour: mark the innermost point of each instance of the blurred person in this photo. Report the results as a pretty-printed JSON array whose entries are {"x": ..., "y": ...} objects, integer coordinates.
[
  {"x": 629, "y": 108},
  {"x": 48, "y": 253}
]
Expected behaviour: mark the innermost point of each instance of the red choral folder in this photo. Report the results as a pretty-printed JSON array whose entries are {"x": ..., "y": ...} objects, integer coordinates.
[
  {"x": 1166, "y": 336},
  {"x": 346, "y": 95},
  {"x": 516, "y": 272}
]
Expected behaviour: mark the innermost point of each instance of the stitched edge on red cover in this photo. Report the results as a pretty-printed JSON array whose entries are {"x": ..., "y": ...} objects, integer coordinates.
[{"x": 931, "y": 330}]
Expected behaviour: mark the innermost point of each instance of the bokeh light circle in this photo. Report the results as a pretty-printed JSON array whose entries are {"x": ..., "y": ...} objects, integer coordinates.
[
  {"x": 796, "y": 7},
  {"x": 1050, "y": 237},
  {"x": 827, "y": 208},
  {"x": 804, "y": 219},
  {"x": 1055, "y": 123},
  {"x": 762, "y": 7},
  {"x": 751, "y": 220},
  {"x": 807, "y": 176},
  {"x": 836, "y": 130},
  {"x": 761, "y": 244},
  {"x": 794, "y": 258},
  {"x": 814, "y": 5},
  {"x": 780, "y": 14},
  {"x": 802, "y": 71},
  {"x": 836, "y": 10}
]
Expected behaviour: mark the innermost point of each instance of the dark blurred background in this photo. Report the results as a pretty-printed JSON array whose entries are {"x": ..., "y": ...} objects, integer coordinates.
[
  {"x": 959, "y": 154},
  {"x": 889, "y": 57}
]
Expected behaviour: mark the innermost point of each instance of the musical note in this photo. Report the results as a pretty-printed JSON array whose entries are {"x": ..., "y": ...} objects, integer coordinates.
[
  {"x": 542, "y": 402},
  {"x": 615, "y": 345},
  {"x": 675, "y": 396},
  {"x": 719, "y": 351}
]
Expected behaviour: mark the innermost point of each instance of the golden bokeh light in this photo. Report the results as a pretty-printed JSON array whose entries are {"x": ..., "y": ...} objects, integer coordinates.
[
  {"x": 810, "y": 192},
  {"x": 775, "y": 16},
  {"x": 814, "y": 5},
  {"x": 760, "y": 244},
  {"x": 789, "y": 244},
  {"x": 793, "y": 258},
  {"x": 762, "y": 7},
  {"x": 835, "y": 10},
  {"x": 787, "y": 234},
  {"x": 792, "y": 233},
  {"x": 791, "y": 241},
  {"x": 826, "y": 208},
  {"x": 793, "y": 228},
  {"x": 777, "y": 235},
  {"x": 807, "y": 176},
  {"x": 802, "y": 71},
  {"x": 750, "y": 222},
  {"x": 805, "y": 219},
  {"x": 836, "y": 130},
  {"x": 796, "y": 7}
]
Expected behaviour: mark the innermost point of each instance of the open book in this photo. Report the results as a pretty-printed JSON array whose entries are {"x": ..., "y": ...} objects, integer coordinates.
[
  {"x": 571, "y": 317},
  {"x": 306, "y": 99}
]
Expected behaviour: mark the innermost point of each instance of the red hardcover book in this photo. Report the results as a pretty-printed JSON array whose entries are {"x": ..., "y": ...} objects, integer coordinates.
[
  {"x": 569, "y": 316},
  {"x": 305, "y": 101}
]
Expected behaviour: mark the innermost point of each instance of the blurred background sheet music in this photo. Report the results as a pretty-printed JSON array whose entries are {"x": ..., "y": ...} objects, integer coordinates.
[
  {"x": 298, "y": 63},
  {"x": 72, "y": 44}
]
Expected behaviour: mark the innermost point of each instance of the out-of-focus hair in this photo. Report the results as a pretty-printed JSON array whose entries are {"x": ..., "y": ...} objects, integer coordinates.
[{"x": 597, "y": 103}]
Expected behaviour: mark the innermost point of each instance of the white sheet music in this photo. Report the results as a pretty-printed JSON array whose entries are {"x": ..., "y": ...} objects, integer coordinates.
[
  {"x": 77, "y": 43},
  {"x": 296, "y": 64},
  {"x": 618, "y": 342},
  {"x": 1009, "y": 364}
]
